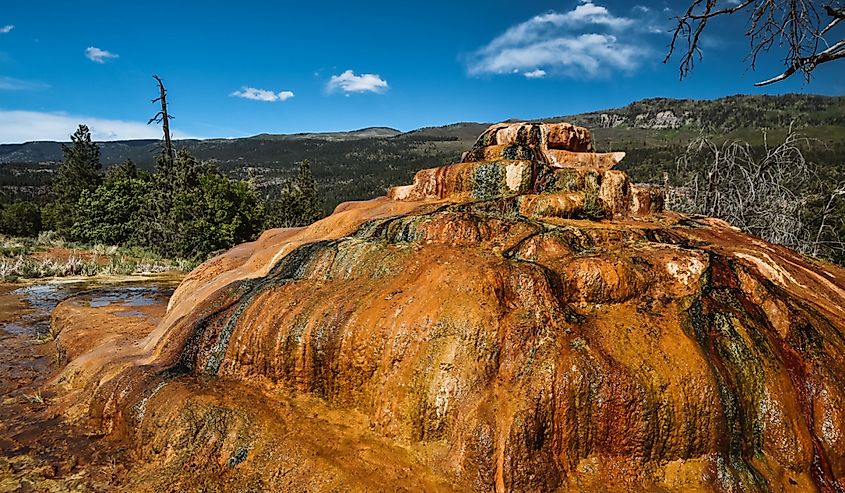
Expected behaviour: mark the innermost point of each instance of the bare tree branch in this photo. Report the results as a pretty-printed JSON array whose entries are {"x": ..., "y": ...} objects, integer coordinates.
[
  {"x": 795, "y": 26},
  {"x": 835, "y": 52},
  {"x": 766, "y": 193}
]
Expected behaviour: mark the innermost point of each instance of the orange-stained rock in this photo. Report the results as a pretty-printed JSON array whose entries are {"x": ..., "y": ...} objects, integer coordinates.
[
  {"x": 555, "y": 158},
  {"x": 646, "y": 199},
  {"x": 615, "y": 193},
  {"x": 468, "y": 181},
  {"x": 471, "y": 336},
  {"x": 534, "y": 158},
  {"x": 600, "y": 162},
  {"x": 564, "y": 136},
  {"x": 563, "y": 204},
  {"x": 558, "y": 145}
]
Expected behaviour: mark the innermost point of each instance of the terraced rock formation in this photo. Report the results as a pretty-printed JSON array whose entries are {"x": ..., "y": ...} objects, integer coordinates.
[{"x": 525, "y": 320}]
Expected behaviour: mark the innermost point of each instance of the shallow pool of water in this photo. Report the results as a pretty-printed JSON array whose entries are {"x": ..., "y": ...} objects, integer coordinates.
[{"x": 43, "y": 299}]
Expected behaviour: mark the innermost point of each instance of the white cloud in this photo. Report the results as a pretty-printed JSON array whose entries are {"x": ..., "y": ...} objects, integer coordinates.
[
  {"x": 348, "y": 82},
  {"x": 262, "y": 94},
  {"x": 25, "y": 126},
  {"x": 535, "y": 74},
  {"x": 7, "y": 28},
  {"x": 97, "y": 55},
  {"x": 12, "y": 84},
  {"x": 586, "y": 42}
]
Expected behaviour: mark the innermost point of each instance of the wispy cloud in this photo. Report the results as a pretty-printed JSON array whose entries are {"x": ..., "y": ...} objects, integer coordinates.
[
  {"x": 588, "y": 41},
  {"x": 348, "y": 82},
  {"x": 25, "y": 126},
  {"x": 12, "y": 84},
  {"x": 7, "y": 28},
  {"x": 97, "y": 55},
  {"x": 262, "y": 94}
]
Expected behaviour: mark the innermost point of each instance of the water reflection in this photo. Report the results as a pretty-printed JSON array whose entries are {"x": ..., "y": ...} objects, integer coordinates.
[{"x": 43, "y": 299}]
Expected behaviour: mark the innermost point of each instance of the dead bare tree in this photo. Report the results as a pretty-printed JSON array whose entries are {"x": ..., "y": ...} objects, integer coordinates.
[
  {"x": 759, "y": 196},
  {"x": 164, "y": 119},
  {"x": 801, "y": 27},
  {"x": 828, "y": 236},
  {"x": 773, "y": 192}
]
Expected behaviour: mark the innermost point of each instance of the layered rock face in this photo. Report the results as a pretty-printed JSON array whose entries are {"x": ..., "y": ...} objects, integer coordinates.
[
  {"x": 550, "y": 168},
  {"x": 525, "y": 320}
]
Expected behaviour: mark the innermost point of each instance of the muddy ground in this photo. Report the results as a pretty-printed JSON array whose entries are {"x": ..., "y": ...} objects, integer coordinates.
[{"x": 39, "y": 451}]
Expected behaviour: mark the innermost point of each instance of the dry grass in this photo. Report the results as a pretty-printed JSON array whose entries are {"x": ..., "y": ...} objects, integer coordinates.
[
  {"x": 18, "y": 259},
  {"x": 36, "y": 398}
]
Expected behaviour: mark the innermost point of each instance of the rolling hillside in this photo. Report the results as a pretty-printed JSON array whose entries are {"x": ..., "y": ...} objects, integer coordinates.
[{"x": 363, "y": 163}]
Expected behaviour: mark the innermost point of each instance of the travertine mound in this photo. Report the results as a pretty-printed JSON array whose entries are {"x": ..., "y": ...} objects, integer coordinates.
[
  {"x": 526, "y": 320},
  {"x": 550, "y": 167}
]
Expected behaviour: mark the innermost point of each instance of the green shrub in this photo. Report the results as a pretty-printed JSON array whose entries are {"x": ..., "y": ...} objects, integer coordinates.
[
  {"x": 21, "y": 219},
  {"x": 110, "y": 214}
]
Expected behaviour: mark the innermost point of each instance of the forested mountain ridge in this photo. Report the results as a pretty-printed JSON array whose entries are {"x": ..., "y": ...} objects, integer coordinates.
[
  {"x": 723, "y": 114},
  {"x": 364, "y": 163}
]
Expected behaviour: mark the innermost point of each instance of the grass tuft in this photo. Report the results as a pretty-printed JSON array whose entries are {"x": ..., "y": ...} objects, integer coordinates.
[{"x": 17, "y": 259}]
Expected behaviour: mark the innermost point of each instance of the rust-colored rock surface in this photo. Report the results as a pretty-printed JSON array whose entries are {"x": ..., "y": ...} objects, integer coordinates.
[
  {"x": 505, "y": 324},
  {"x": 556, "y": 145}
]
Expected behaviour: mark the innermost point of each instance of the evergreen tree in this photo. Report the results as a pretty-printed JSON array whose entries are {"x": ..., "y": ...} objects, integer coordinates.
[
  {"x": 126, "y": 169},
  {"x": 111, "y": 214},
  {"x": 20, "y": 218},
  {"x": 172, "y": 177},
  {"x": 80, "y": 171},
  {"x": 298, "y": 202},
  {"x": 311, "y": 204},
  {"x": 193, "y": 210}
]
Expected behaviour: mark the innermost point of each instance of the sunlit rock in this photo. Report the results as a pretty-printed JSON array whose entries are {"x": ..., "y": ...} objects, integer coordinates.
[{"x": 526, "y": 320}]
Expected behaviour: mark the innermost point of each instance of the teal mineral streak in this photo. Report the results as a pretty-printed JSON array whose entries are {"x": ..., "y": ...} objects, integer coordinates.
[
  {"x": 739, "y": 372},
  {"x": 393, "y": 230},
  {"x": 488, "y": 180},
  {"x": 292, "y": 267}
]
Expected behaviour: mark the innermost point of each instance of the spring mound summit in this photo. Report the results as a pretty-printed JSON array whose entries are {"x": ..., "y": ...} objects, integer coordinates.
[{"x": 524, "y": 320}]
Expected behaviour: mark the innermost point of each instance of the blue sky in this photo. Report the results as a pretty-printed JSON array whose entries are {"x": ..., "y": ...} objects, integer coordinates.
[{"x": 242, "y": 68}]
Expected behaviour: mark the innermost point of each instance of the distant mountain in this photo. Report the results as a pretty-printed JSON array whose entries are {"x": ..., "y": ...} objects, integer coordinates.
[
  {"x": 362, "y": 163},
  {"x": 364, "y": 133},
  {"x": 723, "y": 114},
  {"x": 458, "y": 131}
]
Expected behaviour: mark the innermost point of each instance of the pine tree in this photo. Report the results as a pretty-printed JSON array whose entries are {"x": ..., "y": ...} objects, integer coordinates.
[
  {"x": 173, "y": 177},
  {"x": 311, "y": 208},
  {"x": 81, "y": 168},
  {"x": 80, "y": 171},
  {"x": 126, "y": 169},
  {"x": 298, "y": 202}
]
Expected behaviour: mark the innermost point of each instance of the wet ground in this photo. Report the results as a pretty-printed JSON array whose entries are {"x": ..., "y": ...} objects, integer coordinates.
[{"x": 38, "y": 451}]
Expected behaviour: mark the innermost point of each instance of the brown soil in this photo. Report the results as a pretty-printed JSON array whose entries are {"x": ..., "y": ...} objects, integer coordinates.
[{"x": 62, "y": 254}]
